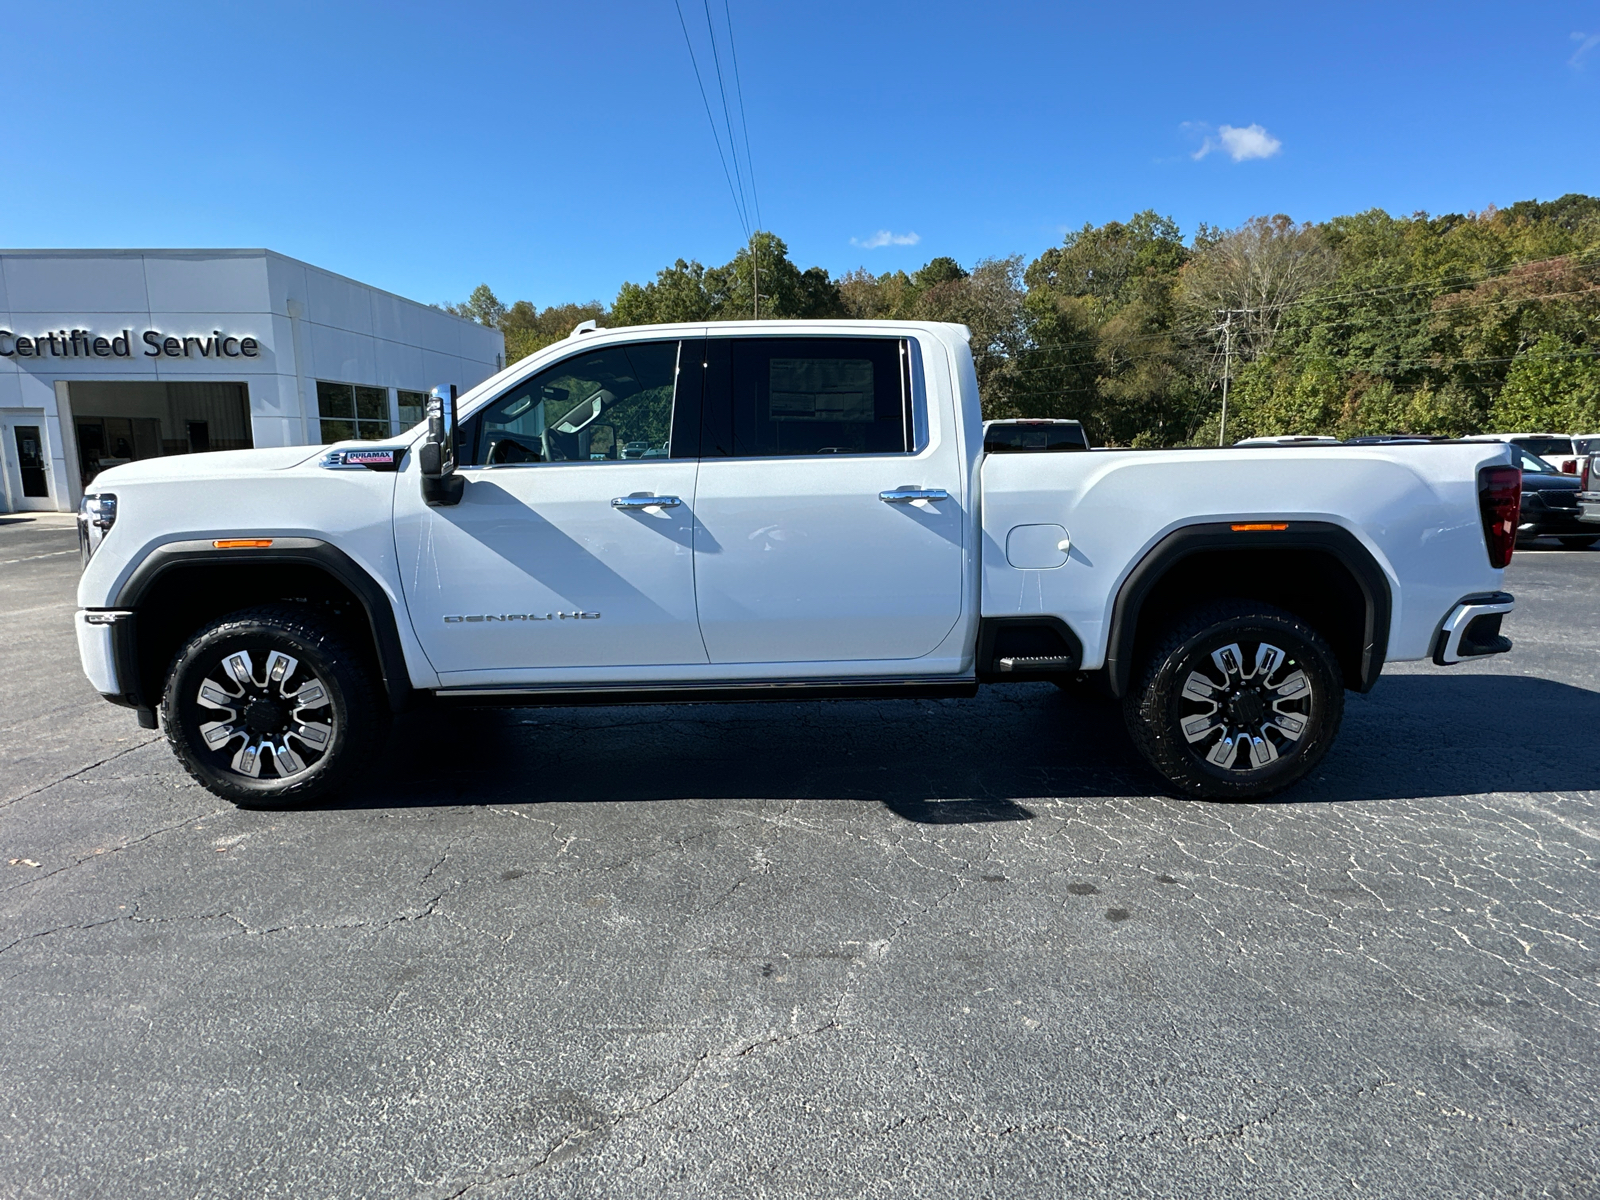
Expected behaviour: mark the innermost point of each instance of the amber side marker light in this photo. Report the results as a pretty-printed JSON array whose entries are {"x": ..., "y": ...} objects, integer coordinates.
[
  {"x": 1261, "y": 527},
  {"x": 242, "y": 543}
]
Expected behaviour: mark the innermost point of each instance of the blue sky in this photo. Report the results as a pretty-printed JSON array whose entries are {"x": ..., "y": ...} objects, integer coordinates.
[{"x": 555, "y": 150}]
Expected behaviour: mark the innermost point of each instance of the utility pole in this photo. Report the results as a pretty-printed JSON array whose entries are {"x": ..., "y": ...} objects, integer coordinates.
[
  {"x": 1226, "y": 330},
  {"x": 1227, "y": 369}
]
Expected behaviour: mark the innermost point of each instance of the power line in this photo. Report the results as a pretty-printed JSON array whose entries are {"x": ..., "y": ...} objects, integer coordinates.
[
  {"x": 744, "y": 204},
  {"x": 727, "y": 120},
  {"x": 744, "y": 124},
  {"x": 727, "y": 117},
  {"x": 744, "y": 220}
]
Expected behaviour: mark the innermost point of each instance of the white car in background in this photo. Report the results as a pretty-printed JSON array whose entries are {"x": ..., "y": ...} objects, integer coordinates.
[{"x": 1567, "y": 453}]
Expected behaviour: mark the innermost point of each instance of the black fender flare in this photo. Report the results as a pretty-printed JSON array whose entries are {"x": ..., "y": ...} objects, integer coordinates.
[
  {"x": 300, "y": 551},
  {"x": 1334, "y": 540}
]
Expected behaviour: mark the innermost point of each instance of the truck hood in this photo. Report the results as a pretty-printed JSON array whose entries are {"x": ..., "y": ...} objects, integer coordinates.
[
  {"x": 227, "y": 463},
  {"x": 1538, "y": 481}
]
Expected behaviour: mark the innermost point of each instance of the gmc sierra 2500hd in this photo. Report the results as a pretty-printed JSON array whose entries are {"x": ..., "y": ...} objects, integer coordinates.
[{"x": 782, "y": 510}]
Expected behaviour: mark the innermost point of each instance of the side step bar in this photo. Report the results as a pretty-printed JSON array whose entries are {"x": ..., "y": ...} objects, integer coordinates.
[{"x": 728, "y": 692}]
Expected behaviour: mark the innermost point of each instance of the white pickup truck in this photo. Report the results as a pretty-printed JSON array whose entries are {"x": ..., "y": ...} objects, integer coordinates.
[{"x": 773, "y": 511}]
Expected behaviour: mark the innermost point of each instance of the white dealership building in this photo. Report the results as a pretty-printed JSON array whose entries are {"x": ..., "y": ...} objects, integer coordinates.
[{"x": 112, "y": 355}]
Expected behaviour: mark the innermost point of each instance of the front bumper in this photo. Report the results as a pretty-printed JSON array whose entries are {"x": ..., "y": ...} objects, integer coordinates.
[
  {"x": 1471, "y": 629},
  {"x": 1539, "y": 518},
  {"x": 105, "y": 648}
]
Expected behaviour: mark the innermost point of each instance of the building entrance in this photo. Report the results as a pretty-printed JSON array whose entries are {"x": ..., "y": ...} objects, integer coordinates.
[
  {"x": 117, "y": 423},
  {"x": 25, "y": 463}
]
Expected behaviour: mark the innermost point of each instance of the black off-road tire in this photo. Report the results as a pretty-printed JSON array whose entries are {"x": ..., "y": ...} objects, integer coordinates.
[
  {"x": 1157, "y": 707},
  {"x": 351, "y": 720}
]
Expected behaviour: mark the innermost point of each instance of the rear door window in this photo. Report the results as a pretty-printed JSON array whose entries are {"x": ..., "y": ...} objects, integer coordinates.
[{"x": 788, "y": 397}]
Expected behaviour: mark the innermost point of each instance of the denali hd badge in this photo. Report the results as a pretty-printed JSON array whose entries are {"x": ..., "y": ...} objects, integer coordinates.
[{"x": 562, "y": 616}]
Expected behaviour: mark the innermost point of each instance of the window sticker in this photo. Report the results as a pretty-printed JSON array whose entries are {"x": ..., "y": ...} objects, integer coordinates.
[{"x": 820, "y": 389}]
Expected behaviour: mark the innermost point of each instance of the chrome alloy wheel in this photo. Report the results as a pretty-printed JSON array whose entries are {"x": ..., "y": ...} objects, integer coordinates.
[
  {"x": 1243, "y": 719},
  {"x": 284, "y": 714}
]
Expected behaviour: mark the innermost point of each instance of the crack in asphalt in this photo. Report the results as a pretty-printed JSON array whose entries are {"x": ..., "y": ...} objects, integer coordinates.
[
  {"x": 599, "y": 1126},
  {"x": 45, "y": 787},
  {"x": 101, "y": 855}
]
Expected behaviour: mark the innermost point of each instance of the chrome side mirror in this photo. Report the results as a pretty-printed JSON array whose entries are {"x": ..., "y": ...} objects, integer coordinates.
[{"x": 437, "y": 456}]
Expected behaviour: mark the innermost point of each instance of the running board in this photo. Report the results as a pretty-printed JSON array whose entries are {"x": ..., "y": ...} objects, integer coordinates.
[
  {"x": 722, "y": 692},
  {"x": 1039, "y": 662}
]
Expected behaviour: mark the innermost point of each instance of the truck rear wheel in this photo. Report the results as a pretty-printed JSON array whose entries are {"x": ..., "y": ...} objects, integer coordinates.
[
  {"x": 271, "y": 707},
  {"x": 1236, "y": 701}
]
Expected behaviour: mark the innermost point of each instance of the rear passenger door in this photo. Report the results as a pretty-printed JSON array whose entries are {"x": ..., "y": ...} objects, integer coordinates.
[{"x": 812, "y": 543}]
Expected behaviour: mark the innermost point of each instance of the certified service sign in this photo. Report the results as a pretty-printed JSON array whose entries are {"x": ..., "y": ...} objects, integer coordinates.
[{"x": 151, "y": 343}]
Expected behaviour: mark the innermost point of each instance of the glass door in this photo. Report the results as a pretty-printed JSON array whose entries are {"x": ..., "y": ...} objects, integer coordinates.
[{"x": 27, "y": 465}]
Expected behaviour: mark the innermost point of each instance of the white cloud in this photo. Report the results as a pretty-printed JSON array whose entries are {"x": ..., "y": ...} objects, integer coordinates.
[
  {"x": 1586, "y": 42},
  {"x": 1240, "y": 144},
  {"x": 884, "y": 238}
]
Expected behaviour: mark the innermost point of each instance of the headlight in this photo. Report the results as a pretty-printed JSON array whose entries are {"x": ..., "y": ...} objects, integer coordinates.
[{"x": 96, "y": 515}]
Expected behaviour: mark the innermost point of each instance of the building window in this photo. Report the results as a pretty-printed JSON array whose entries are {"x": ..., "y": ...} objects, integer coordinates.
[
  {"x": 413, "y": 407},
  {"x": 121, "y": 421},
  {"x": 350, "y": 411}
]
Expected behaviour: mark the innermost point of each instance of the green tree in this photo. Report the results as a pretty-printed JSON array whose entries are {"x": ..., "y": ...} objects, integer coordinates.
[
  {"x": 529, "y": 329},
  {"x": 1364, "y": 324},
  {"x": 1250, "y": 279},
  {"x": 1553, "y": 386},
  {"x": 679, "y": 293},
  {"x": 1114, "y": 263},
  {"x": 687, "y": 291},
  {"x": 1103, "y": 344},
  {"x": 483, "y": 306}
]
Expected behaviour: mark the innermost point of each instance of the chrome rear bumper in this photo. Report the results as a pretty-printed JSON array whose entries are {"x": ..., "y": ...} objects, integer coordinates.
[{"x": 1472, "y": 628}]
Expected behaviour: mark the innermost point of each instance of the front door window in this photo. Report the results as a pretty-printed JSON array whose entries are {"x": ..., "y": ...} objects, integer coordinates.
[{"x": 609, "y": 406}]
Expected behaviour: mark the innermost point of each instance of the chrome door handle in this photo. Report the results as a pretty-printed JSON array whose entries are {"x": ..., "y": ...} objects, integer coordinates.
[
  {"x": 634, "y": 502},
  {"x": 907, "y": 495}
]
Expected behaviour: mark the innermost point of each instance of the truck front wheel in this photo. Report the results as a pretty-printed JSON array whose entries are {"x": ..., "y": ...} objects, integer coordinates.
[
  {"x": 1237, "y": 700},
  {"x": 271, "y": 707}
]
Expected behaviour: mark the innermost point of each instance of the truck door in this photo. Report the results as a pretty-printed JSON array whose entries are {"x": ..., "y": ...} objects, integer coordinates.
[
  {"x": 829, "y": 522},
  {"x": 572, "y": 545}
]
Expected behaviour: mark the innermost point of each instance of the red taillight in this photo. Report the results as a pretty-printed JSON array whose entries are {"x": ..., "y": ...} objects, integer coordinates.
[
  {"x": 1569, "y": 466},
  {"x": 1500, "y": 501},
  {"x": 1588, "y": 466}
]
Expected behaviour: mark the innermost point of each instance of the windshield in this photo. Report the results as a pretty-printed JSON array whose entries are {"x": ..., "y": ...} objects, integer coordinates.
[
  {"x": 1545, "y": 445},
  {"x": 1529, "y": 463}
]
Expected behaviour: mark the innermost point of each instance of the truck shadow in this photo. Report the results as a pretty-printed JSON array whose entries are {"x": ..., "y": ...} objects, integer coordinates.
[
  {"x": 971, "y": 761},
  {"x": 1441, "y": 735},
  {"x": 929, "y": 761}
]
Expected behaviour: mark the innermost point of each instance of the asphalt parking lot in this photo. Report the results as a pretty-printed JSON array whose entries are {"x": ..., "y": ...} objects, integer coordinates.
[{"x": 940, "y": 949}]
